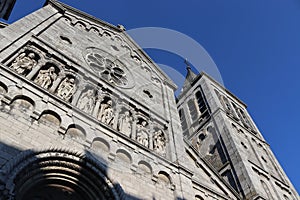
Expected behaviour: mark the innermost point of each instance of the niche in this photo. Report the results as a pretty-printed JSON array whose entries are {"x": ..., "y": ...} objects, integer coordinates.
[
  {"x": 46, "y": 76},
  {"x": 123, "y": 156},
  {"x": 100, "y": 144},
  {"x": 76, "y": 132},
  {"x": 22, "y": 104},
  {"x": 24, "y": 62},
  {"x": 144, "y": 167},
  {"x": 50, "y": 118}
]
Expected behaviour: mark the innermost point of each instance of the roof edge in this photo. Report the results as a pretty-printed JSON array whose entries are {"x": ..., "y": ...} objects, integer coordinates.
[
  {"x": 64, "y": 7},
  {"x": 223, "y": 87}
]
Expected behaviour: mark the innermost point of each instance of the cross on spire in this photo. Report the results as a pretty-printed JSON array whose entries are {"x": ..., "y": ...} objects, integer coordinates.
[{"x": 187, "y": 64}]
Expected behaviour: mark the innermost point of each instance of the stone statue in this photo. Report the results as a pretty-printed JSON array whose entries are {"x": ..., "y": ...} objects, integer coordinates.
[
  {"x": 106, "y": 114},
  {"x": 159, "y": 142},
  {"x": 142, "y": 135},
  {"x": 124, "y": 124},
  {"x": 87, "y": 101},
  {"x": 66, "y": 89},
  {"x": 23, "y": 64},
  {"x": 46, "y": 77}
]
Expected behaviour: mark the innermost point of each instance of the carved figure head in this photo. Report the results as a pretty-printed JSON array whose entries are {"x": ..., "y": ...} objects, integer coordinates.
[
  {"x": 144, "y": 123},
  {"x": 31, "y": 55},
  {"x": 90, "y": 92},
  {"x": 72, "y": 80},
  {"x": 51, "y": 69}
]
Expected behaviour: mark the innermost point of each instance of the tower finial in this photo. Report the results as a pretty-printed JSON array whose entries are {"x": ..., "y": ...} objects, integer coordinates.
[{"x": 188, "y": 67}]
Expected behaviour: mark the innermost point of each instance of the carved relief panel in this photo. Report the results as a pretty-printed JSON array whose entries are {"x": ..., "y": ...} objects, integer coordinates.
[
  {"x": 52, "y": 74},
  {"x": 24, "y": 62}
]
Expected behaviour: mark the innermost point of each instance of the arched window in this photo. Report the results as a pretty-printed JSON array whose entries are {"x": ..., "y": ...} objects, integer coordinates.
[
  {"x": 182, "y": 119},
  {"x": 202, "y": 105},
  {"x": 193, "y": 109},
  {"x": 267, "y": 190}
]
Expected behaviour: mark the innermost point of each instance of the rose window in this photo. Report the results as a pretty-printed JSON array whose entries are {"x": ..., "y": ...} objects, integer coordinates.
[{"x": 112, "y": 71}]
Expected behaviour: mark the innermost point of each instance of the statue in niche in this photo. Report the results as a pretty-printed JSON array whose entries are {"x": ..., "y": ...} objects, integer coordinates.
[
  {"x": 106, "y": 114},
  {"x": 125, "y": 123},
  {"x": 142, "y": 135},
  {"x": 23, "y": 64},
  {"x": 87, "y": 101},
  {"x": 66, "y": 89},
  {"x": 159, "y": 142},
  {"x": 46, "y": 77}
]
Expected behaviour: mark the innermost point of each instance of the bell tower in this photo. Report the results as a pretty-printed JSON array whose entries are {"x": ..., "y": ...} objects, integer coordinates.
[{"x": 217, "y": 124}]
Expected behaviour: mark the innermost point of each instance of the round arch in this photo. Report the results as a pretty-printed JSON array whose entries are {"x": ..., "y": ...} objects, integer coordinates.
[{"x": 61, "y": 174}]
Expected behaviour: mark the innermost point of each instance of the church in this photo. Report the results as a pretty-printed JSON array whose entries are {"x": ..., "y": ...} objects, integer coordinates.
[{"x": 85, "y": 114}]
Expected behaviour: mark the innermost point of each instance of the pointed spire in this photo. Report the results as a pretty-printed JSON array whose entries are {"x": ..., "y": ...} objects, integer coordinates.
[{"x": 190, "y": 76}]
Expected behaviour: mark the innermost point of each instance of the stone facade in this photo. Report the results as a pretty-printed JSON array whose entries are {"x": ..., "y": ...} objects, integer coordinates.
[{"x": 86, "y": 114}]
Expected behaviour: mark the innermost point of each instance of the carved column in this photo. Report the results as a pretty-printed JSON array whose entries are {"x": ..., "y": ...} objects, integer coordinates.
[
  {"x": 35, "y": 70},
  {"x": 117, "y": 113},
  {"x": 56, "y": 83},
  {"x": 151, "y": 130},
  {"x": 98, "y": 102},
  {"x": 133, "y": 131},
  {"x": 77, "y": 94}
]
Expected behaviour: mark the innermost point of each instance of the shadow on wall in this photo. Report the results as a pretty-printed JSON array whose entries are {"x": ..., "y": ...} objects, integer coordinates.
[{"x": 54, "y": 174}]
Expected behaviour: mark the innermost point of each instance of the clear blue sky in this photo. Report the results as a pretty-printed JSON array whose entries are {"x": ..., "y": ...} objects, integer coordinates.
[{"x": 255, "y": 44}]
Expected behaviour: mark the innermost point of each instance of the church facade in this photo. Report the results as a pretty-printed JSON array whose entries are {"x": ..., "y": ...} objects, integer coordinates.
[{"x": 85, "y": 114}]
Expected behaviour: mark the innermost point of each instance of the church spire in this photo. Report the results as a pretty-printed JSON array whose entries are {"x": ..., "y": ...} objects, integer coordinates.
[{"x": 190, "y": 76}]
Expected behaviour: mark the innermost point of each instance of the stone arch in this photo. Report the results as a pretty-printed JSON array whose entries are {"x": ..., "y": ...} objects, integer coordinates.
[
  {"x": 3, "y": 88},
  {"x": 50, "y": 117},
  {"x": 67, "y": 19},
  {"x": 198, "y": 197},
  {"x": 107, "y": 33},
  {"x": 94, "y": 29},
  {"x": 58, "y": 173},
  {"x": 118, "y": 39},
  {"x": 123, "y": 155},
  {"x": 144, "y": 167},
  {"x": 25, "y": 61},
  {"x": 23, "y": 104},
  {"x": 164, "y": 178},
  {"x": 77, "y": 132},
  {"x": 101, "y": 144},
  {"x": 80, "y": 25}
]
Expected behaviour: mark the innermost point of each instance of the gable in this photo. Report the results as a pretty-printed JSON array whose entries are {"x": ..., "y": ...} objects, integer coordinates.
[
  {"x": 104, "y": 52},
  {"x": 83, "y": 32}
]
